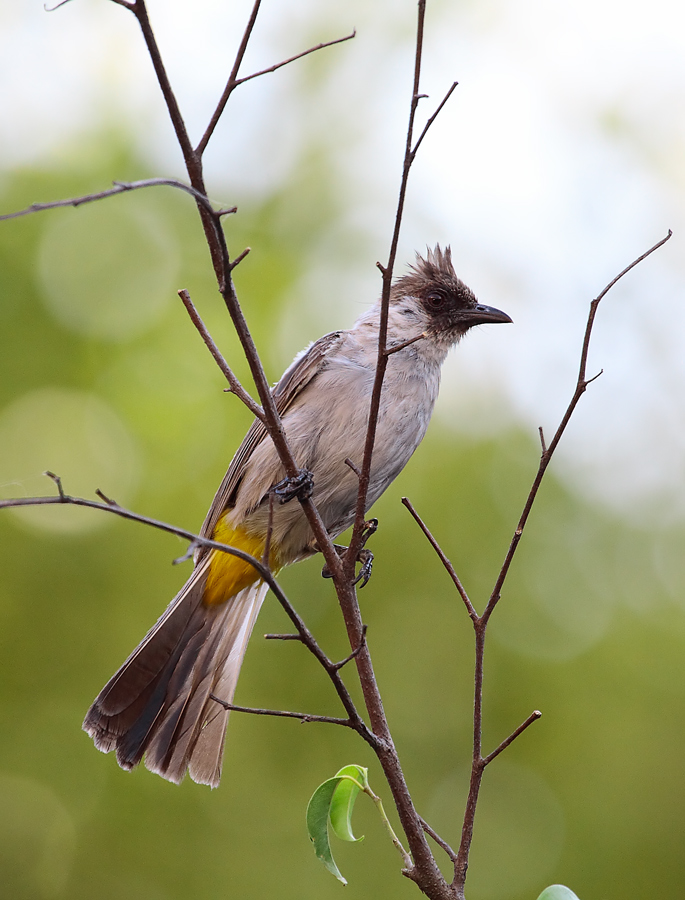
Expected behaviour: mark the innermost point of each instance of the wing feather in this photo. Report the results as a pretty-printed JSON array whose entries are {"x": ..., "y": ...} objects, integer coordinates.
[{"x": 304, "y": 368}]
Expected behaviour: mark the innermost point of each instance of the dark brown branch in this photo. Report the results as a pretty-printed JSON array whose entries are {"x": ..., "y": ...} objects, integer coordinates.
[
  {"x": 355, "y": 653},
  {"x": 264, "y": 572},
  {"x": 581, "y": 386},
  {"x": 433, "y": 117},
  {"x": 120, "y": 187},
  {"x": 533, "y": 717},
  {"x": 395, "y": 348},
  {"x": 480, "y": 623},
  {"x": 283, "y": 637},
  {"x": 234, "y": 82},
  {"x": 240, "y": 258},
  {"x": 282, "y": 713},
  {"x": 269, "y": 531},
  {"x": 438, "y": 840},
  {"x": 200, "y": 149},
  {"x": 235, "y": 386},
  {"x": 443, "y": 559}
]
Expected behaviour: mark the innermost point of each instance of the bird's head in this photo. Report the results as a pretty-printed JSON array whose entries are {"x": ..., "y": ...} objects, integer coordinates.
[{"x": 439, "y": 302}]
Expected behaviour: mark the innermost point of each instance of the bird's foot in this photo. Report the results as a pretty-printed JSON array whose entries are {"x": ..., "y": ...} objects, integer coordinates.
[
  {"x": 364, "y": 557},
  {"x": 300, "y": 486}
]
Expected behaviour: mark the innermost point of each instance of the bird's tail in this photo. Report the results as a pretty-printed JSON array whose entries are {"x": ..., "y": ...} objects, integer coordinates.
[{"x": 159, "y": 704}]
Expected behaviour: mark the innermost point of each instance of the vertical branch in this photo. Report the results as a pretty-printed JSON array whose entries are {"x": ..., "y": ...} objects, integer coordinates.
[{"x": 387, "y": 275}]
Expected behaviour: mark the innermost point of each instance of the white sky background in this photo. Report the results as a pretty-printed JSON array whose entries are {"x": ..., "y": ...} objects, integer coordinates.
[{"x": 558, "y": 160}]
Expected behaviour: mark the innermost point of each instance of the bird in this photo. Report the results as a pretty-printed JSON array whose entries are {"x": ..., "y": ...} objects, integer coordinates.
[{"x": 160, "y": 705}]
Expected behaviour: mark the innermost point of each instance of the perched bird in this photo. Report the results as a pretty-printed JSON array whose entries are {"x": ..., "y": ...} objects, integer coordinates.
[{"x": 159, "y": 704}]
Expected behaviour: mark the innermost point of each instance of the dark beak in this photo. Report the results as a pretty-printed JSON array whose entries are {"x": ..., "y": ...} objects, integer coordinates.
[{"x": 482, "y": 315}]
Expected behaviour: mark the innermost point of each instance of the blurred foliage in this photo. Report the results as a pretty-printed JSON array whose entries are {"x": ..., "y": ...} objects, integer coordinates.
[{"x": 590, "y": 630}]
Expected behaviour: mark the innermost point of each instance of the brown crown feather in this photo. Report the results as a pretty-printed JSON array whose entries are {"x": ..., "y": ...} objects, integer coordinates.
[{"x": 433, "y": 270}]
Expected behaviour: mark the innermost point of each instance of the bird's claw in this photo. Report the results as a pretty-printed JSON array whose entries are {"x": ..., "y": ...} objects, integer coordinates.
[
  {"x": 300, "y": 486},
  {"x": 365, "y": 557}
]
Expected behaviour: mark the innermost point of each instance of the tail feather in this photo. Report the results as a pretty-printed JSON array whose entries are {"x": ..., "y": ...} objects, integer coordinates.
[{"x": 158, "y": 704}]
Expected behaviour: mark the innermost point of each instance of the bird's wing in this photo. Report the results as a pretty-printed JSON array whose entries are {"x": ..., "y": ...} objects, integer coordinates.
[{"x": 297, "y": 376}]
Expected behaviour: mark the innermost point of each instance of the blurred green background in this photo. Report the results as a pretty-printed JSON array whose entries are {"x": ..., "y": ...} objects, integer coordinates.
[{"x": 104, "y": 380}]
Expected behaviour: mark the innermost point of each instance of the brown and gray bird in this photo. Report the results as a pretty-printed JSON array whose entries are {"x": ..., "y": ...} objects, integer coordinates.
[{"x": 159, "y": 705}]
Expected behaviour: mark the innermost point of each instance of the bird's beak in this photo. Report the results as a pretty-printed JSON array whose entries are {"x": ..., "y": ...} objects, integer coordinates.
[{"x": 482, "y": 315}]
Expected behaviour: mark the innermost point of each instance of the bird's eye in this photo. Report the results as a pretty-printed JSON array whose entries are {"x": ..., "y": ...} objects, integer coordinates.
[{"x": 435, "y": 300}]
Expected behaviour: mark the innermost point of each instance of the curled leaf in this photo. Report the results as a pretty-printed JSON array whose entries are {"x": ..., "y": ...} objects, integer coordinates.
[
  {"x": 332, "y": 802},
  {"x": 557, "y": 892},
  {"x": 352, "y": 780}
]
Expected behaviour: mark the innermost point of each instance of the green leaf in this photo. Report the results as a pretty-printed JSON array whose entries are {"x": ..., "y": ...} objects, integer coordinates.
[
  {"x": 317, "y": 824},
  {"x": 557, "y": 892},
  {"x": 342, "y": 802},
  {"x": 333, "y": 801}
]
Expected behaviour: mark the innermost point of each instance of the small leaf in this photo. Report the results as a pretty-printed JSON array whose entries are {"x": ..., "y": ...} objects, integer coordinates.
[
  {"x": 342, "y": 802},
  {"x": 557, "y": 892},
  {"x": 317, "y": 824}
]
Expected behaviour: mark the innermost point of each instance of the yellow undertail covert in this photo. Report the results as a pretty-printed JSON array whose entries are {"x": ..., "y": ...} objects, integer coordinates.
[{"x": 229, "y": 574}]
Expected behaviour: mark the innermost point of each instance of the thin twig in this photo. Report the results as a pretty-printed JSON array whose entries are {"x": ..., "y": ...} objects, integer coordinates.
[
  {"x": 533, "y": 717},
  {"x": 438, "y": 840},
  {"x": 234, "y": 82},
  {"x": 269, "y": 531},
  {"x": 247, "y": 34},
  {"x": 355, "y": 653},
  {"x": 282, "y": 713},
  {"x": 120, "y": 187},
  {"x": 283, "y": 637},
  {"x": 443, "y": 559},
  {"x": 433, "y": 117},
  {"x": 542, "y": 439},
  {"x": 235, "y": 386},
  {"x": 239, "y": 258},
  {"x": 395, "y": 348},
  {"x": 580, "y": 388},
  {"x": 480, "y": 623}
]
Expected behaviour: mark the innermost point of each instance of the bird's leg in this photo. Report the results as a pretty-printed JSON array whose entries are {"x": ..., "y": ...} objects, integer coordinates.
[
  {"x": 365, "y": 556},
  {"x": 300, "y": 485}
]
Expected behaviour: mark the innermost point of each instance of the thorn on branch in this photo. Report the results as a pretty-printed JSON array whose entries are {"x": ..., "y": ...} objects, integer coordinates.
[
  {"x": 58, "y": 482},
  {"x": 590, "y": 380},
  {"x": 381, "y": 267},
  {"x": 226, "y": 212}
]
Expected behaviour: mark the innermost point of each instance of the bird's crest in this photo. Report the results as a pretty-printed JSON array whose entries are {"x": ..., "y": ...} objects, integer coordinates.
[{"x": 433, "y": 270}]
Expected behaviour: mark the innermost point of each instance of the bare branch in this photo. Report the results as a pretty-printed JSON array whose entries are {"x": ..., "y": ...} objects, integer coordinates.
[
  {"x": 542, "y": 439},
  {"x": 120, "y": 187},
  {"x": 269, "y": 531},
  {"x": 355, "y": 653},
  {"x": 533, "y": 717},
  {"x": 234, "y": 81},
  {"x": 433, "y": 117},
  {"x": 395, "y": 348},
  {"x": 581, "y": 386},
  {"x": 282, "y": 713},
  {"x": 443, "y": 559},
  {"x": 283, "y": 637},
  {"x": 438, "y": 840},
  {"x": 235, "y": 386},
  {"x": 240, "y": 258}
]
